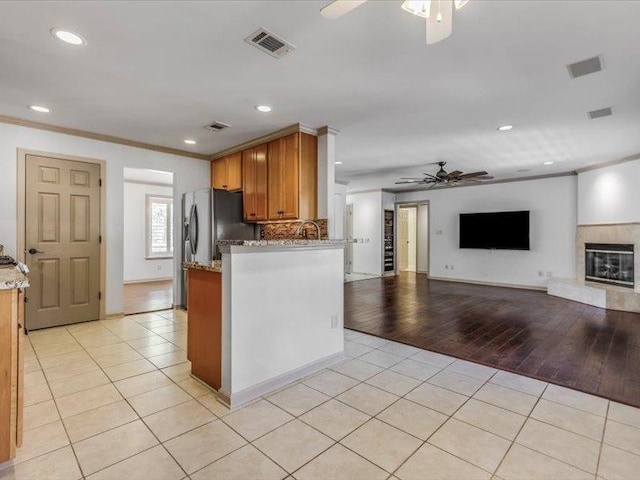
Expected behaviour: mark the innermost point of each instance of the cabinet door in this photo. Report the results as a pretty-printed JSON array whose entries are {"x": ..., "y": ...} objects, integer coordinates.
[
  {"x": 20, "y": 366},
  {"x": 290, "y": 180},
  {"x": 219, "y": 173},
  {"x": 249, "y": 185},
  {"x": 234, "y": 172},
  {"x": 260, "y": 186},
  {"x": 274, "y": 180}
]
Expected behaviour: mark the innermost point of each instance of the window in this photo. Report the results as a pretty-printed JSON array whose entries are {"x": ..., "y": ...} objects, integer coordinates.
[{"x": 159, "y": 226}]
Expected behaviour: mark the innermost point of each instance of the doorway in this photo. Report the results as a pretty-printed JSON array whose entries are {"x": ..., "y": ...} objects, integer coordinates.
[
  {"x": 148, "y": 240},
  {"x": 412, "y": 243},
  {"x": 60, "y": 215},
  {"x": 407, "y": 240}
]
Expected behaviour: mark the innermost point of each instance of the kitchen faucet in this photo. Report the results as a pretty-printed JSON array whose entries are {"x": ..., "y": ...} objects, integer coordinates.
[{"x": 299, "y": 229}]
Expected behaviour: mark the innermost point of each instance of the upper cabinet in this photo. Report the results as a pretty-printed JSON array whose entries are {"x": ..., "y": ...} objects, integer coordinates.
[
  {"x": 254, "y": 182},
  {"x": 226, "y": 172},
  {"x": 292, "y": 177}
]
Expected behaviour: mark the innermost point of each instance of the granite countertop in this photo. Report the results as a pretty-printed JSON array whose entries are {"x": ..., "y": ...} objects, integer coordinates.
[
  {"x": 11, "y": 277},
  {"x": 215, "y": 266},
  {"x": 289, "y": 242}
]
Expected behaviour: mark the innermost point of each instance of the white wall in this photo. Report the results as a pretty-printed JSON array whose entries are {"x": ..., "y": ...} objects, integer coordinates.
[
  {"x": 136, "y": 266},
  {"x": 189, "y": 174},
  {"x": 339, "y": 206},
  {"x": 367, "y": 224},
  {"x": 610, "y": 194},
  {"x": 287, "y": 325},
  {"x": 553, "y": 206}
]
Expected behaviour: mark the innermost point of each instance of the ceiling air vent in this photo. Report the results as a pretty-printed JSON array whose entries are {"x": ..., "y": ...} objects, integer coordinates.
[
  {"x": 216, "y": 127},
  {"x": 269, "y": 43},
  {"x": 585, "y": 67},
  {"x": 603, "y": 112}
]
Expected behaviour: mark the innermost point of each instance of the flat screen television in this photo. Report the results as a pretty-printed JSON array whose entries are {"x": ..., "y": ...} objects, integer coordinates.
[{"x": 496, "y": 230}]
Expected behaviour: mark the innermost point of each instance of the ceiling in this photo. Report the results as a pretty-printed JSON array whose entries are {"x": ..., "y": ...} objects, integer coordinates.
[{"x": 157, "y": 72}]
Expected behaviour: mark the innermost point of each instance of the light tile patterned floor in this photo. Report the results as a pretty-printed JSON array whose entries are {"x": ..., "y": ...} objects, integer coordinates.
[{"x": 114, "y": 399}]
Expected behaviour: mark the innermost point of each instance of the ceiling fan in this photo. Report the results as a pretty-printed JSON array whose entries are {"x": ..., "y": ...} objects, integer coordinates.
[
  {"x": 446, "y": 179},
  {"x": 437, "y": 13}
]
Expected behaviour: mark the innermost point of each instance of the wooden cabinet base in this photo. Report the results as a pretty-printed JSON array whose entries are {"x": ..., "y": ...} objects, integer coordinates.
[
  {"x": 11, "y": 372},
  {"x": 204, "y": 338}
]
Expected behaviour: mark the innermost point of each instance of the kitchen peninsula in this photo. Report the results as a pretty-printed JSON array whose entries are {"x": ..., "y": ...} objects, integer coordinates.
[{"x": 270, "y": 312}]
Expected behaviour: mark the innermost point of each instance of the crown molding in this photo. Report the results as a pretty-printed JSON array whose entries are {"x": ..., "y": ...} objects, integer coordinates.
[
  {"x": 326, "y": 130},
  {"x": 283, "y": 132},
  {"x": 100, "y": 137},
  {"x": 609, "y": 164}
]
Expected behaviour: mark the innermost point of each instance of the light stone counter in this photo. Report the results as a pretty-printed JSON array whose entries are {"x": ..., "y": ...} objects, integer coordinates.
[{"x": 11, "y": 277}]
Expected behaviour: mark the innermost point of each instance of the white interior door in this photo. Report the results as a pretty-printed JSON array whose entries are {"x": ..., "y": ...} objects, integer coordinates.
[
  {"x": 422, "y": 241},
  {"x": 403, "y": 239}
]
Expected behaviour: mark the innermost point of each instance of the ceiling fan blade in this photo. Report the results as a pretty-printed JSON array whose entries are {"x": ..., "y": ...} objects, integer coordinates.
[
  {"x": 440, "y": 22},
  {"x": 402, "y": 182},
  {"x": 474, "y": 174},
  {"x": 455, "y": 173},
  {"x": 338, "y": 8}
]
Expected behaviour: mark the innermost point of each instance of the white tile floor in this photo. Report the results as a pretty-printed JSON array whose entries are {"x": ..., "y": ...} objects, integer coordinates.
[{"x": 114, "y": 399}]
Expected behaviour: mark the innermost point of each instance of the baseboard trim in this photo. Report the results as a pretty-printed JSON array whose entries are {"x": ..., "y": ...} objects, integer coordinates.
[
  {"x": 113, "y": 315},
  {"x": 489, "y": 284},
  {"x": 235, "y": 400},
  {"x": 148, "y": 280}
]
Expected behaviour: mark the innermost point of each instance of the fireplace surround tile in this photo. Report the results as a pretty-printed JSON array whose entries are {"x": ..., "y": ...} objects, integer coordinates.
[{"x": 602, "y": 295}]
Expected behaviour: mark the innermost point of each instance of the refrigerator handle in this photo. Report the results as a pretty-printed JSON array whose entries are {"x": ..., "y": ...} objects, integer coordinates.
[{"x": 193, "y": 227}]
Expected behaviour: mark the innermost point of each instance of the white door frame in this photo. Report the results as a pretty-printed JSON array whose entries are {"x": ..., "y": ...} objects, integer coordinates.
[
  {"x": 22, "y": 219},
  {"x": 398, "y": 206}
]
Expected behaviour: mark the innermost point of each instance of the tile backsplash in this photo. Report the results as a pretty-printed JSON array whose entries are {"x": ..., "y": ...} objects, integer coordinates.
[{"x": 287, "y": 230}]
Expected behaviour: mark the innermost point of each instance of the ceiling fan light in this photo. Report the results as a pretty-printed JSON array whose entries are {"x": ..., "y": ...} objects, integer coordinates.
[
  {"x": 460, "y": 3},
  {"x": 421, "y": 8}
]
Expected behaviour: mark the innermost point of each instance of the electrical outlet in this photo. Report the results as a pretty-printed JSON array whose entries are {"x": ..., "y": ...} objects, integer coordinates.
[
  {"x": 446, "y": 267},
  {"x": 438, "y": 232},
  {"x": 334, "y": 321},
  {"x": 540, "y": 273},
  {"x": 158, "y": 267}
]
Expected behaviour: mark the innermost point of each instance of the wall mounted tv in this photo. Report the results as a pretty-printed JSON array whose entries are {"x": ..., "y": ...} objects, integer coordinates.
[{"x": 496, "y": 230}]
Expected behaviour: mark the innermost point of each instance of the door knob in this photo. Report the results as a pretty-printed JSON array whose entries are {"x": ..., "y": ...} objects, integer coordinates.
[{"x": 33, "y": 251}]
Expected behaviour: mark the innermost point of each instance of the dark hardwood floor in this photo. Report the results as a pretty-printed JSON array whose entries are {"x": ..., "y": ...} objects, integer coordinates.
[
  {"x": 523, "y": 331},
  {"x": 147, "y": 296}
]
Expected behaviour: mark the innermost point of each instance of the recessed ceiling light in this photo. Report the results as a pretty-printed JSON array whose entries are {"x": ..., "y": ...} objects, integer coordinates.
[
  {"x": 338, "y": 163},
  {"x": 39, "y": 108},
  {"x": 505, "y": 128},
  {"x": 67, "y": 36},
  {"x": 549, "y": 162},
  {"x": 263, "y": 108},
  {"x": 190, "y": 142}
]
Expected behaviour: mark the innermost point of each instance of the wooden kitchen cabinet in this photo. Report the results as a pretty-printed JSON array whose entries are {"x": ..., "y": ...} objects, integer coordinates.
[
  {"x": 254, "y": 183},
  {"x": 204, "y": 333},
  {"x": 292, "y": 177},
  {"x": 11, "y": 371},
  {"x": 226, "y": 172}
]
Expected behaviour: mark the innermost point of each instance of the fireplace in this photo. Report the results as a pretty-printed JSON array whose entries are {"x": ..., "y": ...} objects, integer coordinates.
[{"x": 610, "y": 263}]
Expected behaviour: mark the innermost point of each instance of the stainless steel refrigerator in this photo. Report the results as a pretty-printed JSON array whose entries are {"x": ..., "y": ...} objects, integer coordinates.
[{"x": 208, "y": 216}]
